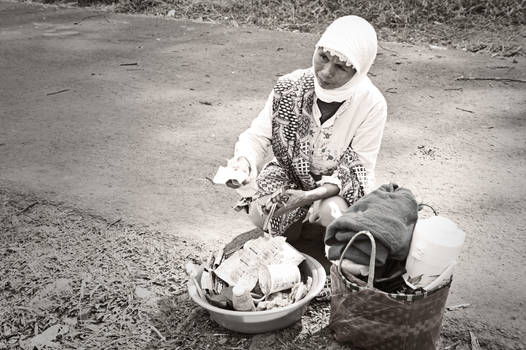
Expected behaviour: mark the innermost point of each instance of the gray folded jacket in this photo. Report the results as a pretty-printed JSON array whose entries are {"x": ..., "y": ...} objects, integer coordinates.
[{"x": 389, "y": 213}]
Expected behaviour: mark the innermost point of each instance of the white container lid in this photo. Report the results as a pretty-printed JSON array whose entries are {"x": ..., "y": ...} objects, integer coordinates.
[{"x": 439, "y": 231}]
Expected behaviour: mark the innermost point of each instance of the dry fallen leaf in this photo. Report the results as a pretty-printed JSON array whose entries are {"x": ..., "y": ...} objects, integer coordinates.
[
  {"x": 143, "y": 293},
  {"x": 46, "y": 338}
]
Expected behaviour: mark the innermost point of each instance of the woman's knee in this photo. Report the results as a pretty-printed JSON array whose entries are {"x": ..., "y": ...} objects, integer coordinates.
[{"x": 330, "y": 209}]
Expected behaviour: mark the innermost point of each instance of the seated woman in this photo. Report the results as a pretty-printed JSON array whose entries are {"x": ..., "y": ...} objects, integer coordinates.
[{"x": 324, "y": 125}]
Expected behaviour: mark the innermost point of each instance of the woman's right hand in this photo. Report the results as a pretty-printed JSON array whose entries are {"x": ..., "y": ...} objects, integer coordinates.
[{"x": 241, "y": 165}]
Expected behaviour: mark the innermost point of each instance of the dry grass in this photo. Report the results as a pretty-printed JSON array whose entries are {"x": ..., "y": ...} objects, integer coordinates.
[
  {"x": 494, "y": 26},
  {"x": 383, "y": 13}
]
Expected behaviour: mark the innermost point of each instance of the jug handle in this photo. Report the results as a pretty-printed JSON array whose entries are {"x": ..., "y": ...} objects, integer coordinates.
[{"x": 422, "y": 205}]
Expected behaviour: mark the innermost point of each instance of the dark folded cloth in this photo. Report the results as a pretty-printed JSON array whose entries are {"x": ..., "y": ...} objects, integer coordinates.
[{"x": 389, "y": 213}]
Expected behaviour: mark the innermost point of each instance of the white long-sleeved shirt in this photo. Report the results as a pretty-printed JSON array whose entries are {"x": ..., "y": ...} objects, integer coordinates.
[{"x": 359, "y": 122}]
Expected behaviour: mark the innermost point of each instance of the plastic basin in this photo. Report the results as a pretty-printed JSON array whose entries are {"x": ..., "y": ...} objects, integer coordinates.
[{"x": 264, "y": 321}]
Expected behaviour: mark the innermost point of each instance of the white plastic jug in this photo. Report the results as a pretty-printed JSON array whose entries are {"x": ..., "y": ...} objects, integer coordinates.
[{"x": 435, "y": 247}]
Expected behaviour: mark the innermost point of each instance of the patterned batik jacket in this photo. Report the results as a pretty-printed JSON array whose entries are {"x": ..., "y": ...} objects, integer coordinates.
[{"x": 292, "y": 145}]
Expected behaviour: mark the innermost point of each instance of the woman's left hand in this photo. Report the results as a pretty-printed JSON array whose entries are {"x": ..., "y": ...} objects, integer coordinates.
[{"x": 291, "y": 199}]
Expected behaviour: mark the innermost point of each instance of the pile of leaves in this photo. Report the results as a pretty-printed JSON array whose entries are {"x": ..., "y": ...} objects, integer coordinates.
[
  {"x": 72, "y": 280},
  {"x": 80, "y": 281}
]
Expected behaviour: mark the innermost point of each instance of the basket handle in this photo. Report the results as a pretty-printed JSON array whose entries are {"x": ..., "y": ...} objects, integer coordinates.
[{"x": 372, "y": 260}]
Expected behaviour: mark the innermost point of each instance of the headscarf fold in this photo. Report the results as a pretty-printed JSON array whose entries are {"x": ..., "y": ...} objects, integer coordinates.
[{"x": 354, "y": 41}]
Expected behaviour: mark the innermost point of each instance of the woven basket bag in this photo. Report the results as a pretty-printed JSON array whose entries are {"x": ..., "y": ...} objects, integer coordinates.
[{"x": 369, "y": 318}]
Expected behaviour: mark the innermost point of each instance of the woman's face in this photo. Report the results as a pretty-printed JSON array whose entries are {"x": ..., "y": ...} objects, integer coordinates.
[{"x": 330, "y": 70}]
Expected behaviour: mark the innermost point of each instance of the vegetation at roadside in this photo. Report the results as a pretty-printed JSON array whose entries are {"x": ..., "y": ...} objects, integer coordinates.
[{"x": 496, "y": 26}]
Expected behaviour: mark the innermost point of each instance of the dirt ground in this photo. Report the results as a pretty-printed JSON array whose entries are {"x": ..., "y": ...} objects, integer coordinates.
[{"x": 121, "y": 119}]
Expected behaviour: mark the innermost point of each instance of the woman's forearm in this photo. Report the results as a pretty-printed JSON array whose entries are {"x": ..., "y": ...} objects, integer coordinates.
[
  {"x": 324, "y": 191},
  {"x": 298, "y": 198}
]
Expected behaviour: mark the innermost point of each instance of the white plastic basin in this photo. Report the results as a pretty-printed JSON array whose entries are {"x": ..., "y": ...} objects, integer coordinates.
[{"x": 264, "y": 321}]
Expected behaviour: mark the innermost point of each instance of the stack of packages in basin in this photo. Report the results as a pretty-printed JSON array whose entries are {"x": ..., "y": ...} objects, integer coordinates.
[{"x": 258, "y": 274}]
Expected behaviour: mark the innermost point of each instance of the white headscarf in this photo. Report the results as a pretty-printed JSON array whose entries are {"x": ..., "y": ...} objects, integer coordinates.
[{"x": 353, "y": 40}]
